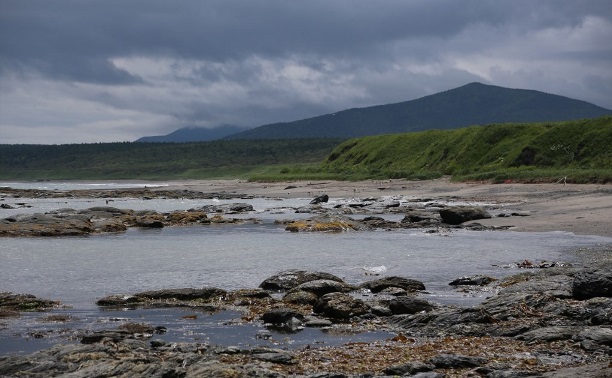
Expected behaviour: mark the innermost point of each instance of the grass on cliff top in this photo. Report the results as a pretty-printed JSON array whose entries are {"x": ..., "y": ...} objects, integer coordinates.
[{"x": 577, "y": 150}]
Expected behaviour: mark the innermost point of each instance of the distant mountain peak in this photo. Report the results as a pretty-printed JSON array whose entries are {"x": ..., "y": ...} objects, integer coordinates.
[{"x": 471, "y": 104}]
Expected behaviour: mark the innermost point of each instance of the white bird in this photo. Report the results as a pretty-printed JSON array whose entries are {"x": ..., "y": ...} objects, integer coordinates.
[{"x": 374, "y": 270}]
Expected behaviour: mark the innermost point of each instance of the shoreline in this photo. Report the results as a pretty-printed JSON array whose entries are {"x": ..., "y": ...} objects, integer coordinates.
[
  {"x": 510, "y": 333},
  {"x": 582, "y": 209}
]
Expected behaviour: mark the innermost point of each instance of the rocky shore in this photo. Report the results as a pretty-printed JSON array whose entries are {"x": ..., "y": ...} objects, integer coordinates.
[
  {"x": 544, "y": 322},
  {"x": 551, "y": 320}
]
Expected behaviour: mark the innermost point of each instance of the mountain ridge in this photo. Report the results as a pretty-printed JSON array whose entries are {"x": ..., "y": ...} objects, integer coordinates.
[{"x": 471, "y": 104}]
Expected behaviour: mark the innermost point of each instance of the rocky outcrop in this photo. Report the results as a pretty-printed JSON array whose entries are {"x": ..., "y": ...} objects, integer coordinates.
[
  {"x": 46, "y": 225},
  {"x": 539, "y": 321},
  {"x": 12, "y": 304},
  {"x": 70, "y": 222}
]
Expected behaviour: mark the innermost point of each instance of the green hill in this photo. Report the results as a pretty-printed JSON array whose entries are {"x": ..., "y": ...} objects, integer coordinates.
[
  {"x": 536, "y": 151},
  {"x": 471, "y": 104}
]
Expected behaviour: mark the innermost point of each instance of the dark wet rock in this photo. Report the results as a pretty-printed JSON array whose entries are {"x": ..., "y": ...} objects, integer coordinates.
[
  {"x": 459, "y": 214},
  {"x": 590, "y": 283},
  {"x": 409, "y": 305},
  {"x": 380, "y": 284},
  {"x": 472, "y": 280},
  {"x": 340, "y": 306},
  {"x": 289, "y": 279},
  {"x": 320, "y": 199},
  {"x": 280, "y": 316},
  {"x": 322, "y": 287},
  {"x": 410, "y": 368},
  {"x": 455, "y": 361}
]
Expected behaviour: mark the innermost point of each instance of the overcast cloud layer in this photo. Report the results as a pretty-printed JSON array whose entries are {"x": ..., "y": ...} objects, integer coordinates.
[{"x": 82, "y": 71}]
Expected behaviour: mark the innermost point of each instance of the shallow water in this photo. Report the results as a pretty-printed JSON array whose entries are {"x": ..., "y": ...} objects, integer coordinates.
[{"x": 80, "y": 270}]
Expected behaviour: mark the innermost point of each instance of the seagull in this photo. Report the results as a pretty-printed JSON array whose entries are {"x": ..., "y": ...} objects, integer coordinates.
[{"x": 374, "y": 270}]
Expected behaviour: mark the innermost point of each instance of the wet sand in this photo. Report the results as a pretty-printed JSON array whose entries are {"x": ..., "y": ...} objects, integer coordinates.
[{"x": 584, "y": 209}]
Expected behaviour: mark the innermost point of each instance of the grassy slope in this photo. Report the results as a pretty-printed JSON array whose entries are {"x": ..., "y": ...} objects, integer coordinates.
[{"x": 579, "y": 149}]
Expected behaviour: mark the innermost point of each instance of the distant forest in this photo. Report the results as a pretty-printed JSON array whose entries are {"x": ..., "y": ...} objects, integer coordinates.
[{"x": 156, "y": 160}]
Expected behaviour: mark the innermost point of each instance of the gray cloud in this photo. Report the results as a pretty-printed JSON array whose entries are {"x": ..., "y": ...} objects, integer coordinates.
[{"x": 113, "y": 70}]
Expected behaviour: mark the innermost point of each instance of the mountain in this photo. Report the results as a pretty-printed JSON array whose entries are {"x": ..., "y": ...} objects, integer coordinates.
[
  {"x": 471, "y": 104},
  {"x": 193, "y": 134}
]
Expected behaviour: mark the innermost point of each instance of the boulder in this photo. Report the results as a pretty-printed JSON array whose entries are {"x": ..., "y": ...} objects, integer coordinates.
[
  {"x": 381, "y": 284},
  {"x": 409, "y": 305},
  {"x": 289, "y": 279},
  {"x": 455, "y": 215},
  {"x": 340, "y": 306}
]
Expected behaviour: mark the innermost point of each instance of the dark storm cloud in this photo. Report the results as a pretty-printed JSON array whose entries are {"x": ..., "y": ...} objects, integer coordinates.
[{"x": 143, "y": 65}]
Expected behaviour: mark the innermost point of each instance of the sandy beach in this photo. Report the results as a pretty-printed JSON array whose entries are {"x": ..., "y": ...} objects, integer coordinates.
[{"x": 584, "y": 209}]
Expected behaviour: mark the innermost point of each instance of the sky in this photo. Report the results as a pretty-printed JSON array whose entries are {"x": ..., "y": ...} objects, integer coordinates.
[{"x": 89, "y": 71}]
